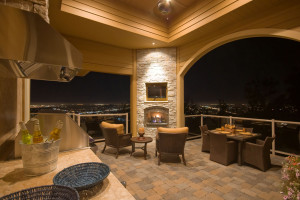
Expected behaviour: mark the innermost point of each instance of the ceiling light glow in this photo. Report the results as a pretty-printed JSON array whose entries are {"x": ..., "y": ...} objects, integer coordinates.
[{"x": 164, "y": 6}]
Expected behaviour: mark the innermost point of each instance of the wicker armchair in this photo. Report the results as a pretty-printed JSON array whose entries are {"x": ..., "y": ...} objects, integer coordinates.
[
  {"x": 258, "y": 154},
  {"x": 205, "y": 138},
  {"x": 221, "y": 150},
  {"x": 171, "y": 143},
  {"x": 115, "y": 140}
]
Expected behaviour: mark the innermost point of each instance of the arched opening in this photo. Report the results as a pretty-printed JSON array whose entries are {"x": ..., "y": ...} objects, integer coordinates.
[
  {"x": 264, "y": 32},
  {"x": 252, "y": 78}
]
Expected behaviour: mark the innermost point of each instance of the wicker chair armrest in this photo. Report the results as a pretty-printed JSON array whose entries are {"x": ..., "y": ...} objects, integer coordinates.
[
  {"x": 129, "y": 135},
  {"x": 260, "y": 142},
  {"x": 125, "y": 140},
  {"x": 255, "y": 148},
  {"x": 231, "y": 142}
]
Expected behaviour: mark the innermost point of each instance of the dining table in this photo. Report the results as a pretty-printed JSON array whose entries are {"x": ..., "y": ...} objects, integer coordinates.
[{"x": 238, "y": 135}]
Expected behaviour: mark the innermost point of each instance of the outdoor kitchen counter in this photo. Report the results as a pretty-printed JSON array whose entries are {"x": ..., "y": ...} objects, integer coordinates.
[{"x": 13, "y": 179}]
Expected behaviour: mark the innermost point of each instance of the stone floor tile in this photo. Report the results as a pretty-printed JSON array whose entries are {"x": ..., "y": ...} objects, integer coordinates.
[
  {"x": 200, "y": 193},
  {"x": 159, "y": 190},
  {"x": 212, "y": 196},
  {"x": 249, "y": 192},
  {"x": 150, "y": 192},
  {"x": 141, "y": 194},
  {"x": 154, "y": 197}
]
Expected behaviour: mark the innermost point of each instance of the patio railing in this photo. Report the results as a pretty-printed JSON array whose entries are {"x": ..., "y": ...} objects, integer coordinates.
[
  {"x": 272, "y": 122},
  {"x": 77, "y": 117}
]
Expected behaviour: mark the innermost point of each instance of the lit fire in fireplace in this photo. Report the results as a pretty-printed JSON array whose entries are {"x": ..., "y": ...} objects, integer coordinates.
[{"x": 156, "y": 118}]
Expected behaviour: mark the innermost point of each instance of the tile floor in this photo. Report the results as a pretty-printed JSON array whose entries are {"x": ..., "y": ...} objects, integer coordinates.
[{"x": 200, "y": 179}]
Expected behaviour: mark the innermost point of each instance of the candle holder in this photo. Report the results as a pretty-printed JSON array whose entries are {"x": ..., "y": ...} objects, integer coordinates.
[{"x": 141, "y": 134}]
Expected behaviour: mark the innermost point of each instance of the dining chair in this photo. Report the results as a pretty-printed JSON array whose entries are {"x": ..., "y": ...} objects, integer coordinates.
[
  {"x": 258, "y": 154},
  {"x": 205, "y": 138},
  {"x": 221, "y": 150}
]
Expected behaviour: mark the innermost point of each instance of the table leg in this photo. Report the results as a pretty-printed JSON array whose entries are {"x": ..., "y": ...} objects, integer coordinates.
[
  {"x": 240, "y": 153},
  {"x": 145, "y": 151},
  {"x": 133, "y": 148}
]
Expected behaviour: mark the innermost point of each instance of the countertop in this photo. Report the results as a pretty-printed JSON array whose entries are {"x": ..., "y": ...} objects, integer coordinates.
[{"x": 12, "y": 177}]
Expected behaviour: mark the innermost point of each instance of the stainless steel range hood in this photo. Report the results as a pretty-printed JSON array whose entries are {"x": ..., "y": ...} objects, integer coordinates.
[{"x": 31, "y": 48}]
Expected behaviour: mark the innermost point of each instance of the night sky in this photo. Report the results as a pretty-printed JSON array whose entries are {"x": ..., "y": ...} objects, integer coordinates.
[
  {"x": 220, "y": 74},
  {"x": 92, "y": 88}
]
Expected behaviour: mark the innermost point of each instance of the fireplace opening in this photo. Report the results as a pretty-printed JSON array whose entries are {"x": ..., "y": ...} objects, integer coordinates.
[{"x": 156, "y": 116}]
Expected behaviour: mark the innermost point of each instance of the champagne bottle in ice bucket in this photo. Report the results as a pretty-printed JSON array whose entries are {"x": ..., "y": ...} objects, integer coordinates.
[
  {"x": 26, "y": 136},
  {"x": 55, "y": 133},
  {"x": 37, "y": 134}
]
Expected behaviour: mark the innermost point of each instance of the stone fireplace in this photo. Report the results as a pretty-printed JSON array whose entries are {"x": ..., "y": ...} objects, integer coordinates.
[
  {"x": 156, "y": 116},
  {"x": 156, "y": 67}
]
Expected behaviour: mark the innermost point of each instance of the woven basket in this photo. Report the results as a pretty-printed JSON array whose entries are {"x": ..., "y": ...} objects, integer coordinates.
[
  {"x": 49, "y": 192},
  {"x": 82, "y": 176}
]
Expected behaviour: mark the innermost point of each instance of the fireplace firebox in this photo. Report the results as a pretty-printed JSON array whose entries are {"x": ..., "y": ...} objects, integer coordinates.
[{"x": 156, "y": 116}]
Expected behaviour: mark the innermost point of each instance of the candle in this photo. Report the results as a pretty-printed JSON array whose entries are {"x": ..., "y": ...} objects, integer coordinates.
[{"x": 141, "y": 130}]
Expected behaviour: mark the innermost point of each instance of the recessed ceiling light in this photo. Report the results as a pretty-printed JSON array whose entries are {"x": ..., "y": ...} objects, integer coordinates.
[{"x": 153, "y": 43}]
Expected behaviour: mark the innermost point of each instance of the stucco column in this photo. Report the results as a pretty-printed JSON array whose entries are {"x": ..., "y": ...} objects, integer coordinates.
[
  {"x": 180, "y": 100},
  {"x": 133, "y": 97}
]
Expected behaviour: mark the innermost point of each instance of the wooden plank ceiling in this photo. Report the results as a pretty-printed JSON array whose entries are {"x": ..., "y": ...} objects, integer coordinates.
[{"x": 134, "y": 23}]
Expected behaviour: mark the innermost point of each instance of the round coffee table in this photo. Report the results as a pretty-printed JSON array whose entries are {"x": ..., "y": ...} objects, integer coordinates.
[{"x": 144, "y": 140}]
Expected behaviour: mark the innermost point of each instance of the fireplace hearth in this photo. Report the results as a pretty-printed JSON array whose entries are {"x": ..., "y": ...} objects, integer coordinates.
[{"x": 156, "y": 116}]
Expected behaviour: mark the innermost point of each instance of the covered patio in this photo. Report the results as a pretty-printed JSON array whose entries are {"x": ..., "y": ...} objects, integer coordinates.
[{"x": 117, "y": 37}]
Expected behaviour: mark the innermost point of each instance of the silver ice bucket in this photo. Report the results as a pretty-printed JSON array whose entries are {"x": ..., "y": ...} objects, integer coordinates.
[{"x": 40, "y": 158}]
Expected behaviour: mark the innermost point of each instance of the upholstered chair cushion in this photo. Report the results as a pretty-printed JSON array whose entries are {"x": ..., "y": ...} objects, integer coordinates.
[
  {"x": 172, "y": 130},
  {"x": 119, "y": 127}
]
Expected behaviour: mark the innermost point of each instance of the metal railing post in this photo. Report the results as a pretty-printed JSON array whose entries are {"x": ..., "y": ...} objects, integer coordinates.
[
  {"x": 273, "y": 135},
  {"x": 78, "y": 118},
  {"x": 230, "y": 120},
  {"x": 126, "y": 123},
  {"x": 201, "y": 123}
]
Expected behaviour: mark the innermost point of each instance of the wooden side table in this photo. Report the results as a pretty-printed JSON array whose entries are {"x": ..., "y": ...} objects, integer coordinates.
[{"x": 144, "y": 140}]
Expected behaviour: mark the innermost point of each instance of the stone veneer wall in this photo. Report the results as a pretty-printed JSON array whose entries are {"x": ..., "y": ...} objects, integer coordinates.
[
  {"x": 37, "y": 6},
  {"x": 156, "y": 65}
]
